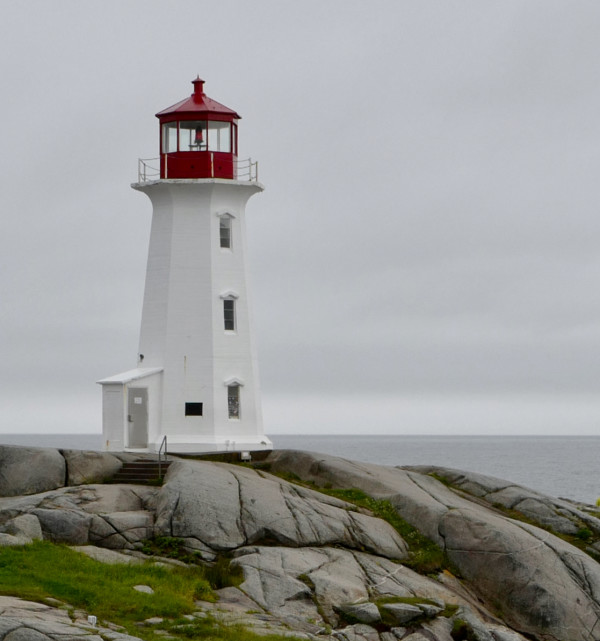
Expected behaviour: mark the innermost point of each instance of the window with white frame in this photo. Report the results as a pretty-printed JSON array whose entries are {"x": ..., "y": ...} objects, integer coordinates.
[
  {"x": 229, "y": 314},
  {"x": 219, "y": 136},
  {"x": 169, "y": 137},
  {"x": 192, "y": 135},
  {"x": 233, "y": 401},
  {"x": 225, "y": 231}
]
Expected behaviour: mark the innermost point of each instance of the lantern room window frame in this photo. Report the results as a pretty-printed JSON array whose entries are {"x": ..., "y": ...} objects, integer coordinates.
[{"x": 199, "y": 135}]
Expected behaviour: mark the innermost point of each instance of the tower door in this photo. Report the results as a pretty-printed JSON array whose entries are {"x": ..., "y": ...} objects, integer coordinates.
[{"x": 137, "y": 416}]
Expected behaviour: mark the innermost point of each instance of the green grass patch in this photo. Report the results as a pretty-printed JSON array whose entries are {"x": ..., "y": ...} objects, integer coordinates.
[
  {"x": 462, "y": 631},
  {"x": 425, "y": 556},
  {"x": 171, "y": 548},
  {"x": 43, "y": 569},
  {"x": 584, "y": 534},
  {"x": 294, "y": 478},
  {"x": 219, "y": 574},
  {"x": 449, "y": 610},
  {"x": 411, "y": 600}
]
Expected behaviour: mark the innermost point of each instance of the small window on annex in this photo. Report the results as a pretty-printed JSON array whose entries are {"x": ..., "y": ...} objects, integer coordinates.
[
  {"x": 193, "y": 409},
  {"x": 192, "y": 135},
  {"x": 225, "y": 231},
  {"x": 229, "y": 314},
  {"x": 169, "y": 137},
  {"x": 233, "y": 401}
]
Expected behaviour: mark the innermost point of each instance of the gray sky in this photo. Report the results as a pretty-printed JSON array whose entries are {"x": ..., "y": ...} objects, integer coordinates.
[{"x": 424, "y": 258}]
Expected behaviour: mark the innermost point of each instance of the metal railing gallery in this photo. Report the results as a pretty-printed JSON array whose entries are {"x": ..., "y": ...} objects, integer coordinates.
[{"x": 149, "y": 169}]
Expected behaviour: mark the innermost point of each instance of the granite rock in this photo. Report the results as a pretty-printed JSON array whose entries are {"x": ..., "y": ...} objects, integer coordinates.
[
  {"x": 27, "y": 621},
  {"x": 317, "y": 566},
  {"x": 226, "y": 507},
  {"x": 26, "y": 526},
  {"x": 30, "y": 470},
  {"x": 90, "y": 467},
  {"x": 544, "y": 587}
]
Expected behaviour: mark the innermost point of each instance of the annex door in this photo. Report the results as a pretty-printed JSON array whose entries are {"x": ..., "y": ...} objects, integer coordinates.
[{"x": 137, "y": 416}]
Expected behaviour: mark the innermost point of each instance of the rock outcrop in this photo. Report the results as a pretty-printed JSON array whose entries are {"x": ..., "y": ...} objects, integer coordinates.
[
  {"x": 542, "y": 586},
  {"x": 28, "y": 470},
  {"x": 90, "y": 467},
  {"x": 323, "y": 567},
  {"x": 225, "y": 507},
  {"x": 559, "y": 515},
  {"x": 27, "y": 621}
]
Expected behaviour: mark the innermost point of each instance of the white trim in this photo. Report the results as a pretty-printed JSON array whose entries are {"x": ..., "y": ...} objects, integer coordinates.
[
  {"x": 230, "y": 293},
  {"x": 223, "y": 213},
  {"x": 130, "y": 375},
  {"x": 234, "y": 382}
]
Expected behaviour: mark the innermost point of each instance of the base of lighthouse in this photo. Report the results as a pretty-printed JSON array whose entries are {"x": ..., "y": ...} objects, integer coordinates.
[
  {"x": 131, "y": 420},
  {"x": 195, "y": 388}
]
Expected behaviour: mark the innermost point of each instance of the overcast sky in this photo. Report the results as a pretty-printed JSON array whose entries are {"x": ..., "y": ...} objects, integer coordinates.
[{"x": 425, "y": 257}]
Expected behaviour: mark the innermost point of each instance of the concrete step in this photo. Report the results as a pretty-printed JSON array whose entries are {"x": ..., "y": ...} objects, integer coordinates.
[{"x": 140, "y": 472}]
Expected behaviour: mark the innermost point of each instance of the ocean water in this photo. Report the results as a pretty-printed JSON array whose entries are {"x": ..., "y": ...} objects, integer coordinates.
[{"x": 563, "y": 466}]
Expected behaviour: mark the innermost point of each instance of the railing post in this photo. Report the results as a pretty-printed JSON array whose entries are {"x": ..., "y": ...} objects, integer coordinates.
[{"x": 164, "y": 442}]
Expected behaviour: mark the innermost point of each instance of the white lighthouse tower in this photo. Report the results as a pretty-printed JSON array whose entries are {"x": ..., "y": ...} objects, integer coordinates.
[{"x": 196, "y": 381}]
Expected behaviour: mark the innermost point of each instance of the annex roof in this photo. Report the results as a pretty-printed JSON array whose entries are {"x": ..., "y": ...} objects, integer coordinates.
[{"x": 131, "y": 375}]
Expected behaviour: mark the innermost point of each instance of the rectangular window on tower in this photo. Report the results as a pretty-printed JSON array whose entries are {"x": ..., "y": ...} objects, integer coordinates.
[
  {"x": 233, "y": 401},
  {"x": 229, "y": 314},
  {"x": 193, "y": 409},
  {"x": 225, "y": 232}
]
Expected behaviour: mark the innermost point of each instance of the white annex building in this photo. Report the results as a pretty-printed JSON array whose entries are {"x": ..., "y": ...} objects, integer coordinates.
[{"x": 196, "y": 381}]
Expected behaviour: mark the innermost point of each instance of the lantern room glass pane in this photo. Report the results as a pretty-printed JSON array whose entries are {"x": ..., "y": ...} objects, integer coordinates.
[
  {"x": 169, "y": 137},
  {"x": 219, "y": 136},
  {"x": 192, "y": 135}
]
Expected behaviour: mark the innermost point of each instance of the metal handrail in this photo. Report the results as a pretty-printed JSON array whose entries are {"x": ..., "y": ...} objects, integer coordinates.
[
  {"x": 245, "y": 169},
  {"x": 163, "y": 444},
  {"x": 146, "y": 171}
]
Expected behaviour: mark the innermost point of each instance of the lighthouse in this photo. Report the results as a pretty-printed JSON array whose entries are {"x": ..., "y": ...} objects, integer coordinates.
[{"x": 195, "y": 387}]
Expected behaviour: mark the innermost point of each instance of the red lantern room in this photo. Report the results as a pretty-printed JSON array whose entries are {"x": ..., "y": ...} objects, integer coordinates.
[{"x": 198, "y": 138}]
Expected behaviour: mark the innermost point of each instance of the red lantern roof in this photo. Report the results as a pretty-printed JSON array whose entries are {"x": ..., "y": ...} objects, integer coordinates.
[{"x": 198, "y": 103}]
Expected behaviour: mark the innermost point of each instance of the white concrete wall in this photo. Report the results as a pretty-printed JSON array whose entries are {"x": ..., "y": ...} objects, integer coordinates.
[
  {"x": 115, "y": 390},
  {"x": 182, "y": 328},
  {"x": 153, "y": 384},
  {"x": 114, "y": 405}
]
